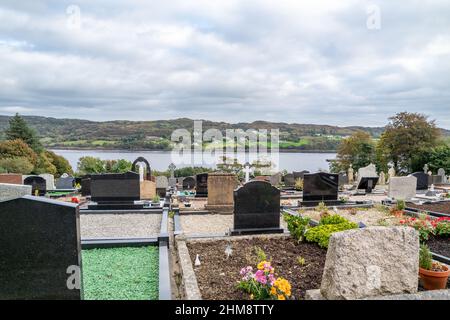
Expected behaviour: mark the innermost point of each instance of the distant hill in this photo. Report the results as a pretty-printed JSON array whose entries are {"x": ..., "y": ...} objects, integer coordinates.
[{"x": 155, "y": 135}]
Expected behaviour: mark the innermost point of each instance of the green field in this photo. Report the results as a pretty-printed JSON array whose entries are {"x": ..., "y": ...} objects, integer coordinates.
[{"x": 121, "y": 273}]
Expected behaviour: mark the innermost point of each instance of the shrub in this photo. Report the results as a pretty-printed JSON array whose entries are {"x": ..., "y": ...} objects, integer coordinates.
[
  {"x": 260, "y": 254},
  {"x": 424, "y": 226},
  {"x": 156, "y": 199},
  {"x": 299, "y": 184},
  {"x": 322, "y": 233},
  {"x": 17, "y": 149},
  {"x": 441, "y": 227},
  {"x": 297, "y": 225},
  {"x": 332, "y": 219},
  {"x": 16, "y": 165},
  {"x": 425, "y": 257},
  {"x": 401, "y": 205}
]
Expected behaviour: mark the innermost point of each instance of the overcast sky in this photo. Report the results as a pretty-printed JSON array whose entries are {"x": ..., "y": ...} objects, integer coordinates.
[{"x": 325, "y": 62}]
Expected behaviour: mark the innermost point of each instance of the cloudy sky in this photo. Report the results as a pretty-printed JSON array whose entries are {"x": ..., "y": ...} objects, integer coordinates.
[{"x": 326, "y": 62}]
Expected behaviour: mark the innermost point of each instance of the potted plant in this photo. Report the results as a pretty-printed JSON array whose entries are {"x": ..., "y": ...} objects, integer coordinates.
[{"x": 433, "y": 274}]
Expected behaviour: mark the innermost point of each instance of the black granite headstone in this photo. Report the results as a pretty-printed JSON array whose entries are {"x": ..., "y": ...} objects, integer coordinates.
[
  {"x": 299, "y": 175},
  {"x": 39, "y": 241},
  {"x": 319, "y": 187},
  {"x": 115, "y": 190},
  {"x": 38, "y": 185},
  {"x": 188, "y": 183},
  {"x": 86, "y": 185},
  {"x": 289, "y": 180},
  {"x": 201, "y": 189},
  {"x": 422, "y": 180},
  {"x": 256, "y": 208},
  {"x": 367, "y": 183}
]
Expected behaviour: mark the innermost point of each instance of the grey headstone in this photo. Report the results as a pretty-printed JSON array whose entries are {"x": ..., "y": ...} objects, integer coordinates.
[
  {"x": 369, "y": 171},
  {"x": 13, "y": 191},
  {"x": 65, "y": 182},
  {"x": 402, "y": 188},
  {"x": 161, "y": 182}
]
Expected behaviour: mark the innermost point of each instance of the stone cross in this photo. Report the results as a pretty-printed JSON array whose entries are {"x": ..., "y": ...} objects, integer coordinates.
[
  {"x": 172, "y": 168},
  {"x": 425, "y": 168},
  {"x": 247, "y": 171}
]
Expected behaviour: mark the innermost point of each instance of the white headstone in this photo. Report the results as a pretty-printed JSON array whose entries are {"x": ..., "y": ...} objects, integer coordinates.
[
  {"x": 402, "y": 188},
  {"x": 247, "y": 172},
  {"x": 441, "y": 172},
  {"x": 49, "y": 180},
  {"x": 367, "y": 172},
  {"x": 141, "y": 173}
]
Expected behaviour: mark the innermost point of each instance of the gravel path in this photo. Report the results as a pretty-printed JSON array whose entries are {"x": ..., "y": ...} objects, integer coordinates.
[
  {"x": 210, "y": 223},
  {"x": 119, "y": 225}
]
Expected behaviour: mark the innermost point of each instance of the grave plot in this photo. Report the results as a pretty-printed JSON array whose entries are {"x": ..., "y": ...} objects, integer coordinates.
[
  {"x": 217, "y": 276},
  {"x": 209, "y": 224},
  {"x": 442, "y": 208},
  {"x": 369, "y": 216},
  {"x": 120, "y": 225},
  {"x": 127, "y": 273}
]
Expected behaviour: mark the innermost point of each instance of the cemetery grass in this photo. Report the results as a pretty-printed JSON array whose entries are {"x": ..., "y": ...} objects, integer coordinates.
[
  {"x": 218, "y": 276},
  {"x": 442, "y": 207},
  {"x": 121, "y": 273}
]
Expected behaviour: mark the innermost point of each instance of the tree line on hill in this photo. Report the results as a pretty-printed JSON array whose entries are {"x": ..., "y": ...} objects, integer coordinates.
[{"x": 408, "y": 142}]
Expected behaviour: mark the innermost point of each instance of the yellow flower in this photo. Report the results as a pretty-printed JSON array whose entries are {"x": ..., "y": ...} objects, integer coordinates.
[
  {"x": 281, "y": 297},
  {"x": 273, "y": 291},
  {"x": 261, "y": 265},
  {"x": 251, "y": 296}
]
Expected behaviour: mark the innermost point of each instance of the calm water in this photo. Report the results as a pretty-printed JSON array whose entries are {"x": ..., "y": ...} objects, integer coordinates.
[{"x": 159, "y": 160}]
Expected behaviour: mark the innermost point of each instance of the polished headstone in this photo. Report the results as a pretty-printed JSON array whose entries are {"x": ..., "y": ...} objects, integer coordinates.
[
  {"x": 320, "y": 186},
  {"x": 367, "y": 184},
  {"x": 257, "y": 206},
  {"x": 289, "y": 180},
  {"x": 115, "y": 187},
  {"x": 188, "y": 183},
  {"x": 201, "y": 189},
  {"x": 37, "y": 183},
  {"x": 299, "y": 175},
  {"x": 85, "y": 183},
  {"x": 40, "y": 240},
  {"x": 422, "y": 180}
]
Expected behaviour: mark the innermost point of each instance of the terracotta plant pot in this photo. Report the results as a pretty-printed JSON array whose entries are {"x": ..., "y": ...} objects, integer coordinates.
[{"x": 434, "y": 280}]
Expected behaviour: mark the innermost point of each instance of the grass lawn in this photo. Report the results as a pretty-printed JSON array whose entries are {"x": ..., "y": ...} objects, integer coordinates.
[{"x": 121, "y": 273}]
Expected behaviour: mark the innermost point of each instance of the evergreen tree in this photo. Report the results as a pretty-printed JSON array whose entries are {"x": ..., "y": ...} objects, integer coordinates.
[{"x": 19, "y": 129}]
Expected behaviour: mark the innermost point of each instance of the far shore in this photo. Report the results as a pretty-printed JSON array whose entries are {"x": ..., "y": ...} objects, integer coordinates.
[{"x": 158, "y": 150}]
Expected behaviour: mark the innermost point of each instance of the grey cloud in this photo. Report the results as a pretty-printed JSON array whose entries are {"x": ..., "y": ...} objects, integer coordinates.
[{"x": 230, "y": 61}]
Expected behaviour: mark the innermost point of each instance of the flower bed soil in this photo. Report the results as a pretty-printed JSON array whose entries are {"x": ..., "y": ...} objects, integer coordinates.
[
  {"x": 439, "y": 245},
  {"x": 441, "y": 207},
  {"x": 218, "y": 276}
]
